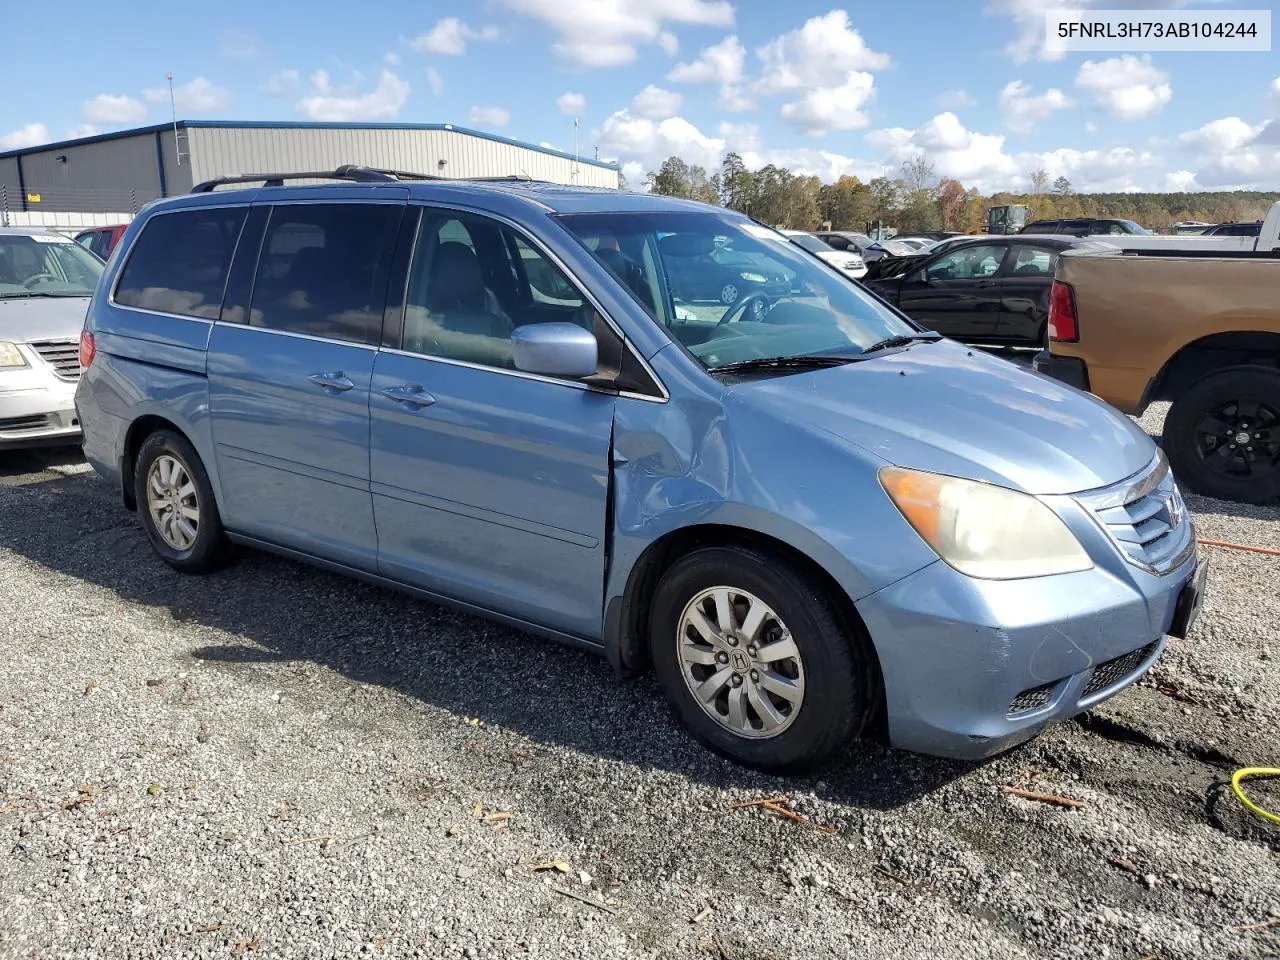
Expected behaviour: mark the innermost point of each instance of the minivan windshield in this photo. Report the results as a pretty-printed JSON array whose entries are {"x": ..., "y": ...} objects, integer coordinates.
[
  {"x": 45, "y": 265},
  {"x": 730, "y": 290}
]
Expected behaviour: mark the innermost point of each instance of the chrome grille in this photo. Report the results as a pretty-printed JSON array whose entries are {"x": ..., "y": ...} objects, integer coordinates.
[
  {"x": 1145, "y": 517},
  {"x": 1113, "y": 671},
  {"x": 62, "y": 355}
]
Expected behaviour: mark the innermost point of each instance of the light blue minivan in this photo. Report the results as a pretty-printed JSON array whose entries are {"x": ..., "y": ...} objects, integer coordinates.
[{"x": 811, "y": 517}]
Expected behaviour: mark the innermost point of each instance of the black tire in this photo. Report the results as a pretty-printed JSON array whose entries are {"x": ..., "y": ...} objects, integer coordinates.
[
  {"x": 842, "y": 684},
  {"x": 1200, "y": 461},
  {"x": 210, "y": 548}
]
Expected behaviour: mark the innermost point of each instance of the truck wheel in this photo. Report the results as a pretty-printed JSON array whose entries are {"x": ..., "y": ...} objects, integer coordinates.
[
  {"x": 1223, "y": 435},
  {"x": 757, "y": 661},
  {"x": 176, "y": 505}
]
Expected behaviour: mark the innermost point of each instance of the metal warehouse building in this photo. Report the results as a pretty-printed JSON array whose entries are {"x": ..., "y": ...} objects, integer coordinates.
[{"x": 116, "y": 173}]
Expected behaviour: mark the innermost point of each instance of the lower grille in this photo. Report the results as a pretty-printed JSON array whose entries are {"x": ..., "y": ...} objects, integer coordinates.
[
  {"x": 14, "y": 424},
  {"x": 1032, "y": 699},
  {"x": 1113, "y": 671},
  {"x": 62, "y": 355}
]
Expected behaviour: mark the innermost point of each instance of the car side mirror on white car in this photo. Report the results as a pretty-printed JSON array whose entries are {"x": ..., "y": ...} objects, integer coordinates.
[{"x": 555, "y": 349}]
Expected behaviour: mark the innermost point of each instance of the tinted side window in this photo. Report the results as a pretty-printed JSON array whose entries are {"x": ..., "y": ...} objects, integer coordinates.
[
  {"x": 323, "y": 270},
  {"x": 472, "y": 282},
  {"x": 1030, "y": 262},
  {"x": 179, "y": 263},
  {"x": 968, "y": 263}
]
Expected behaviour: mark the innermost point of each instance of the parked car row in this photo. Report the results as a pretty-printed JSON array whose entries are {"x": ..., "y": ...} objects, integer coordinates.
[{"x": 548, "y": 409}]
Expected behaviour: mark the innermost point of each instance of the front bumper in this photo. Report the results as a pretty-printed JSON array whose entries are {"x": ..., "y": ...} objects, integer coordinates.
[
  {"x": 974, "y": 667},
  {"x": 37, "y": 416},
  {"x": 1072, "y": 371}
]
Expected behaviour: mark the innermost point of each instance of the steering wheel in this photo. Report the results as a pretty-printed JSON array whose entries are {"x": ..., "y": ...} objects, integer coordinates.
[
  {"x": 758, "y": 299},
  {"x": 31, "y": 281}
]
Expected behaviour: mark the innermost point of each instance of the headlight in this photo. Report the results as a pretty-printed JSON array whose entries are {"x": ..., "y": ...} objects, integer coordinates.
[
  {"x": 982, "y": 530},
  {"x": 10, "y": 355},
  {"x": 754, "y": 277}
]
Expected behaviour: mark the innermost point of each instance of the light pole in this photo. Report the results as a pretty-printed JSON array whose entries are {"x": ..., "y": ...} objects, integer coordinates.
[{"x": 173, "y": 112}]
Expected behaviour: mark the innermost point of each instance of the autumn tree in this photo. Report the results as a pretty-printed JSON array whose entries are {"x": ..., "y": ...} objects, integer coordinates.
[
  {"x": 951, "y": 199},
  {"x": 671, "y": 179},
  {"x": 1039, "y": 180},
  {"x": 845, "y": 204}
]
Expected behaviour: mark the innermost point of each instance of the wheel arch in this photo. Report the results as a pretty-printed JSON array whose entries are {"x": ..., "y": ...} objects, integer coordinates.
[
  {"x": 1208, "y": 354},
  {"x": 627, "y": 616}
]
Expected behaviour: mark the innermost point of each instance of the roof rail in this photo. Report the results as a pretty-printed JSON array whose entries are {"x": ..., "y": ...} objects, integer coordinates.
[{"x": 349, "y": 172}]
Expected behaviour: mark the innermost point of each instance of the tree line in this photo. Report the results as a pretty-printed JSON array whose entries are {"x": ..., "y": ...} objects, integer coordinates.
[{"x": 919, "y": 200}]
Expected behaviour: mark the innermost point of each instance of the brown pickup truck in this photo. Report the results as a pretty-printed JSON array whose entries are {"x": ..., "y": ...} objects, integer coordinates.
[{"x": 1200, "y": 328}]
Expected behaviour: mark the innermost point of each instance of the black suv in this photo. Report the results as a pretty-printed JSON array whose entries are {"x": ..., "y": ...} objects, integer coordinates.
[
  {"x": 1235, "y": 230},
  {"x": 1086, "y": 227}
]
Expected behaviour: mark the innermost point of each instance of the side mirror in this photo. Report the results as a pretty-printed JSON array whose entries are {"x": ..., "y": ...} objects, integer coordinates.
[{"x": 555, "y": 350}]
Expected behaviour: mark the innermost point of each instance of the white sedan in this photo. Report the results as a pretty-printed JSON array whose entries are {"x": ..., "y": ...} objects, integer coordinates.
[{"x": 848, "y": 262}]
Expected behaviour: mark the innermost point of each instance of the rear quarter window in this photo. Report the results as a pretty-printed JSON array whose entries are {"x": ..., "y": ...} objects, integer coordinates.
[{"x": 180, "y": 261}]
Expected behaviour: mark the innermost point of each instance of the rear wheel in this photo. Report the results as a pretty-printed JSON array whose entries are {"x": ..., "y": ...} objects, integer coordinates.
[
  {"x": 176, "y": 505},
  {"x": 1223, "y": 435},
  {"x": 756, "y": 659}
]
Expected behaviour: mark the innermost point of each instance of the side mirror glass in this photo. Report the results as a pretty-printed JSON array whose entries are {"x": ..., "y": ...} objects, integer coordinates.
[{"x": 555, "y": 350}]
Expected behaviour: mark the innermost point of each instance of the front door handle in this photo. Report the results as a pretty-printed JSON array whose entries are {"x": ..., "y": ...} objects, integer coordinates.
[
  {"x": 409, "y": 394},
  {"x": 334, "y": 380}
]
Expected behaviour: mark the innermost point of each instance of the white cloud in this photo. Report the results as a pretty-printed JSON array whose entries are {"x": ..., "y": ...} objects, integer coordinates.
[
  {"x": 669, "y": 43},
  {"x": 832, "y": 108},
  {"x": 197, "y": 96},
  {"x": 1022, "y": 111},
  {"x": 1179, "y": 181},
  {"x": 1126, "y": 87},
  {"x": 822, "y": 53},
  {"x": 642, "y": 140},
  {"x": 338, "y": 104},
  {"x": 488, "y": 117},
  {"x": 955, "y": 100},
  {"x": 719, "y": 63},
  {"x": 239, "y": 45},
  {"x": 1231, "y": 154},
  {"x": 1275, "y": 89},
  {"x": 571, "y": 104},
  {"x": 741, "y": 137},
  {"x": 1090, "y": 127},
  {"x": 435, "y": 81},
  {"x": 109, "y": 108},
  {"x": 1028, "y": 18},
  {"x": 31, "y": 135},
  {"x": 655, "y": 102},
  {"x": 605, "y": 33},
  {"x": 81, "y": 130},
  {"x": 391, "y": 59},
  {"x": 282, "y": 82},
  {"x": 450, "y": 37}
]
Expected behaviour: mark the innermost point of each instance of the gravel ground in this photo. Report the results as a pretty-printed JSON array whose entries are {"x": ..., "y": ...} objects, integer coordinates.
[{"x": 275, "y": 761}]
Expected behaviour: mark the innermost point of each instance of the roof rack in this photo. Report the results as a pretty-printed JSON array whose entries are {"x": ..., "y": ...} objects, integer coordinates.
[{"x": 349, "y": 172}]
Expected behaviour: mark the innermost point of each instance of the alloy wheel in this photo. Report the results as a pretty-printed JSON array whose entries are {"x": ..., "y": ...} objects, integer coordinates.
[
  {"x": 740, "y": 662},
  {"x": 173, "y": 503},
  {"x": 1240, "y": 439}
]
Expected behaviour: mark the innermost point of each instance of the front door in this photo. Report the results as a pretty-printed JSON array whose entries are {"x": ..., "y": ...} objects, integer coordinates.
[
  {"x": 289, "y": 382},
  {"x": 489, "y": 485},
  {"x": 958, "y": 294}
]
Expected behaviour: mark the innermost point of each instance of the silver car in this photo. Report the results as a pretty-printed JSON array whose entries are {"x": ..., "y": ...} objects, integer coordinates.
[{"x": 45, "y": 283}]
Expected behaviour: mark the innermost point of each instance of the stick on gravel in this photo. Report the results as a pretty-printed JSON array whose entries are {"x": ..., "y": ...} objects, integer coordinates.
[{"x": 1051, "y": 798}]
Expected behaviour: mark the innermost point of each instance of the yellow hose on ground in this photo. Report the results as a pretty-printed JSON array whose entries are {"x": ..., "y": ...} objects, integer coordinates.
[{"x": 1250, "y": 773}]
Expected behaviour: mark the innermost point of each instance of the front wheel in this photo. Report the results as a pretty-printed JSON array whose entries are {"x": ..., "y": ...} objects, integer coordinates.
[
  {"x": 729, "y": 294},
  {"x": 1222, "y": 436},
  {"x": 756, "y": 659},
  {"x": 176, "y": 505}
]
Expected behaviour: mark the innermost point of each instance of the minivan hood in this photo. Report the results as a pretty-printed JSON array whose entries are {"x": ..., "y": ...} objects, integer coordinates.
[
  {"x": 949, "y": 409},
  {"x": 24, "y": 319}
]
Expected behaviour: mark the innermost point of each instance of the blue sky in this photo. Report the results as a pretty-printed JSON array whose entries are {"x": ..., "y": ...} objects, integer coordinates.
[{"x": 819, "y": 87}]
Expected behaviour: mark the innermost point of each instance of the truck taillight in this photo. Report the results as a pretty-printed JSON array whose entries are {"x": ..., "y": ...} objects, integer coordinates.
[
  {"x": 1062, "y": 313},
  {"x": 87, "y": 349}
]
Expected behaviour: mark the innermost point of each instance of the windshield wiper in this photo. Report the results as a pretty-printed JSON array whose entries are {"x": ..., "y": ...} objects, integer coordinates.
[
  {"x": 901, "y": 341},
  {"x": 36, "y": 293},
  {"x": 784, "y": 363}
]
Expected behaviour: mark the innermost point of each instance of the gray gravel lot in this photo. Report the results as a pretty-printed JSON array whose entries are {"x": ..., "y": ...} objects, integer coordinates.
[{"x": 276, "y": 761}]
